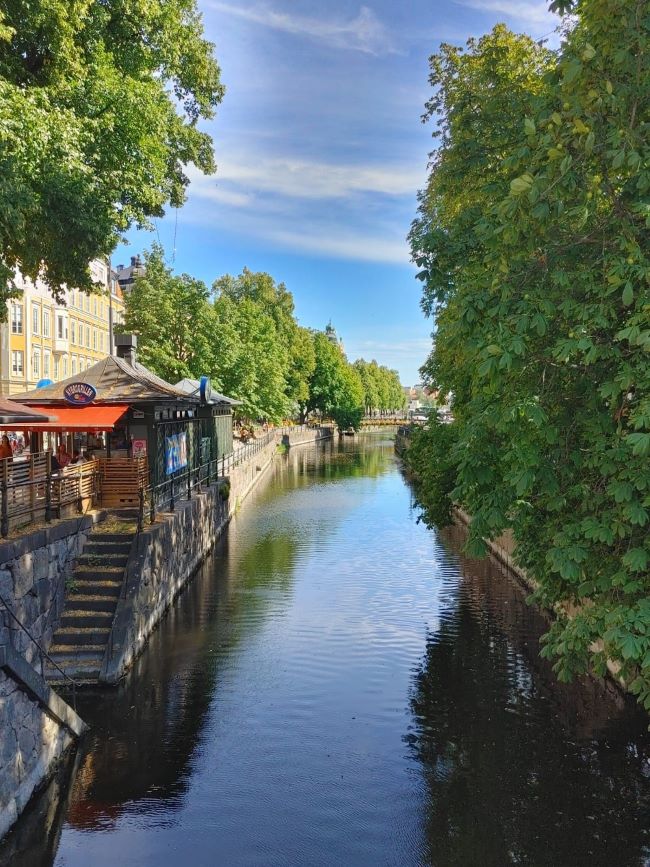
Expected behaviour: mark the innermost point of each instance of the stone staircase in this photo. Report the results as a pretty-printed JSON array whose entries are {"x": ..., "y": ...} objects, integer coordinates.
[{"x": 79, "y": 643}]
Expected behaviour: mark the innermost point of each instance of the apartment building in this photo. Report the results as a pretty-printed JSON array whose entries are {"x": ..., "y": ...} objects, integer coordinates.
[{"x": 45, "y": 340}]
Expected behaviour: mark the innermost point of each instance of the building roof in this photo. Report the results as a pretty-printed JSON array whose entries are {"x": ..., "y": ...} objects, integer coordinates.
[
  {"x": 115, "y": 381},
  {"x": 191, "y": 387},
  {"x": 14, "y": 413}
]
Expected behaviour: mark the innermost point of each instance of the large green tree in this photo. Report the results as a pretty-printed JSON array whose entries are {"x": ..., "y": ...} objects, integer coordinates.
[
  {"x": 99, "y": 110},
  {"x": 533, "y": 239},
  {"x": 174, "y": 321},
  {"x": 293, "y": 352},
  {"x": 252, "y": 355}
]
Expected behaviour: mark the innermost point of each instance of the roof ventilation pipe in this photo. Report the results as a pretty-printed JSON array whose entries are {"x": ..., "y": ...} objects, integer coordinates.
[{"x": 125, "y": 347}]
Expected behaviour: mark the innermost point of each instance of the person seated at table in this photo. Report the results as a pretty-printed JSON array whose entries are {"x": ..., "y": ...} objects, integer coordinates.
[
  {"x": 78, "y": 457},
  {"x": 63, "y": 456},
  {"x": 5, "y": 448}
]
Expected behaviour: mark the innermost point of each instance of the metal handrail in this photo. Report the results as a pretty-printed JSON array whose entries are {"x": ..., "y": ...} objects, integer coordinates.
[
  {"x": 209, "y": 470},
  {"x": 42, "y": 652}
]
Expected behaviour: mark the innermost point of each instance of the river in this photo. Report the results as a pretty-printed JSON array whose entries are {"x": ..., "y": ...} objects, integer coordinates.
[{"x": 340, "y": 686}]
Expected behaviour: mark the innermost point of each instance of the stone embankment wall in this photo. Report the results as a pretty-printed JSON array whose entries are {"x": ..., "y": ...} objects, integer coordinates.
[
  {"x": 36, "y": 726},
  {"x": 166, "y": 554}
]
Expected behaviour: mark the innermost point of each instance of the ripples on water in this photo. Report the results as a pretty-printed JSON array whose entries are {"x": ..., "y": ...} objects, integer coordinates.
[{"x": 339, "y": 686}]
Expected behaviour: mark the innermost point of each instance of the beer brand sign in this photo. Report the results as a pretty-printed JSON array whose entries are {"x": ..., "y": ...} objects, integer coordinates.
[{"x": 79, "y": 393}]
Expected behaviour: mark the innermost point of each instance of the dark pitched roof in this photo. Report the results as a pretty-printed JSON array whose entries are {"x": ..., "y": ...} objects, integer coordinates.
[{"x": 115, "y": 381}]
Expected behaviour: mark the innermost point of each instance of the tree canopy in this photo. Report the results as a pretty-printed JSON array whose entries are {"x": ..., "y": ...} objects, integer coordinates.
[
  {"x": 99, "y": 111},
  {"x": 245, "y": 336},
  {"x": 532, "y": 243},
  {"x": 175, "y": 321}
]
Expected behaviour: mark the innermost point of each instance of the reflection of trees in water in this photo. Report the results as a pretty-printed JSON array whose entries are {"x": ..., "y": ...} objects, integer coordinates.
[
  {"x": 506, "y": 782},
  {"x": 334, "y": 460},
  {"x": 144, "y": 732}
]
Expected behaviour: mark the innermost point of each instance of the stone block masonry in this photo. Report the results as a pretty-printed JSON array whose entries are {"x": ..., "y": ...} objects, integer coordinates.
[{"x": 36, "y": 726}]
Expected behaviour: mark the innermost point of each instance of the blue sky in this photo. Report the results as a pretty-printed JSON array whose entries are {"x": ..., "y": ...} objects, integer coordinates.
[{"x": 321, "y": 152}]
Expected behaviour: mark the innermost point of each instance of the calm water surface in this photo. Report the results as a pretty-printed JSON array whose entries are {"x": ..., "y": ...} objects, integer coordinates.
[{"x": 339, "y": 686}]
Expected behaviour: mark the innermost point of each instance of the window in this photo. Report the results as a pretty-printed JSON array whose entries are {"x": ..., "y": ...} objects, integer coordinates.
[
  {"x": 87, "y": 337},
  {"x": 95, "y": 306},
  {"x": 16, "y": 319},
  {"x": 46, "y": 365},
  {"x": 73, "y": 331},
  {"x": 36, "y": 364},
  {"x": 87, "y": 303},
  {"x": 101, "y": 341},
  {"x": 73, "y": 369},
  {"x": 61, "y": 327},
  {"x": 46, "y": 323},
  {"x": 95, "y": 339},
  {"x": 35, "y": 318},
  {"x": 56, "y": 368},
  {"x": 17, "y": 363}
]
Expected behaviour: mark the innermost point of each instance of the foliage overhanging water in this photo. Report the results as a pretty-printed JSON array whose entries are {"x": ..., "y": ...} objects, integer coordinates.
[{"x": 339, "y": 686}]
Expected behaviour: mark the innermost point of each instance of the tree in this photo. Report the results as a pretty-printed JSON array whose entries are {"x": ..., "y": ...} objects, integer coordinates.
[
  {"x": 294, "y": 350},
  {"x": 173, "y": 319},
  {"x": 532, "y": 239},
  {"x": 348, "y": 411},
  {"x": 250, "y": 357},
  {"x": 99, "y": 111}
]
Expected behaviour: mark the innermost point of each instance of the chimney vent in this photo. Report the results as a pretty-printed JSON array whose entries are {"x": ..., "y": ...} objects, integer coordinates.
[{"x": 125, "y": 347}]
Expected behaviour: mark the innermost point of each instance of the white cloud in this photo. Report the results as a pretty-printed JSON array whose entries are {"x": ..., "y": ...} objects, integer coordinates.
[
  {"x": 365, "y": 33},
  {"x": 532, "y": 13},
  {"x": 330, "y": 242},
  {"x": 304, "y": 179}
]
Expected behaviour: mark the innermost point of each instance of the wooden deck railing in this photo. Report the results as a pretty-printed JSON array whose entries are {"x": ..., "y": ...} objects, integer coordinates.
[{"x": 30, "y": 491}]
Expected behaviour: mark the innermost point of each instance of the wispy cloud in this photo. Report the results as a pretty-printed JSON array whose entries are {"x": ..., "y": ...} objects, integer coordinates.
[
  {"x": 304, "y": 179},
  {"x": 532, "y": 14},
  {"x": 330, "y": 242},
  {"x": 333, "y": 211},
  {"x": 365, "y": 32}
]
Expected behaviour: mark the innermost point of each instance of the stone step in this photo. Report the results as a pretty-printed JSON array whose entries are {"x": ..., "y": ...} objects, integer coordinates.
[
  {"x": 111, "y": 561},
  {"x": 96, "y": 587},
  {"x": 82, "y": 635},
  {"x": 99, "y": 573},
  {"x": 64, "y": 651},
  {"x": 92, "y": 602},
  {"x": 112, "y": 537},
  {"x": 102, "y": 547},
  {"x": 81, "y": 672},
  {"x": 76, "y": 618}
]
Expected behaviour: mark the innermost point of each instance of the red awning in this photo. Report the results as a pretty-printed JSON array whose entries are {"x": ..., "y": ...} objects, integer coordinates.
[{"x": 69, "y": 418}]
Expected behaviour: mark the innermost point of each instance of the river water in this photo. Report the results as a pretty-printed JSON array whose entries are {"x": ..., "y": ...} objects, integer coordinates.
[{"x": 340, "y": 686}]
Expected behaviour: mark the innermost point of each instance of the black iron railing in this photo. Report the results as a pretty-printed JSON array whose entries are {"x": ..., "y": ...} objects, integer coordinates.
[
  {"x": 183, "y": 484},
  {"x": 43, "y": 654}
]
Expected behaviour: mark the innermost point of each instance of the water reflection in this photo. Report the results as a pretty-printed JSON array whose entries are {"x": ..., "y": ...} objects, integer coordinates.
[
  {"x": 339, "y": 686},
  {"x": 519, "y": 770}
]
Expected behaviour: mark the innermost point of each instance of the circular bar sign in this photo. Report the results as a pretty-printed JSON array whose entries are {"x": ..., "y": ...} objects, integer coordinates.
[{"x": 79, "y": 393}]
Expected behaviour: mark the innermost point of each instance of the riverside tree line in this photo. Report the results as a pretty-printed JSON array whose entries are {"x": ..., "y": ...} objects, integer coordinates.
[
  {"x": 532, "y": 240},
  {"x": 243, "y": 333}
]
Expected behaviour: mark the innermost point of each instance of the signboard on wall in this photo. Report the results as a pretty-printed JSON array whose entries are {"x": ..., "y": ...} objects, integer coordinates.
[
  {"x": 139, "y": 448},
  {"x": 79, "y": 393},
  {"x": 175, "y": 453}
]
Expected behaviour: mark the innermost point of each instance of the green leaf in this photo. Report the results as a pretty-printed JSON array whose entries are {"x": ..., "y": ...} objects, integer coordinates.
[{"x": 628, "y": 294}]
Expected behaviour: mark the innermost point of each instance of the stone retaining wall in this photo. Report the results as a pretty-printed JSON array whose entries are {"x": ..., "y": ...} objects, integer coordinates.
[{"x": 33, "y": 570}]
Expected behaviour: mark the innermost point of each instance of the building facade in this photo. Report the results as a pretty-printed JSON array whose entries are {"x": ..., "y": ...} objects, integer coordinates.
[{"x": 43, "y": 339}]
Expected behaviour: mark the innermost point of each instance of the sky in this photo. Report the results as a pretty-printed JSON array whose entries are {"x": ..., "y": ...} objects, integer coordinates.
[{"x": 321, "y": 151}]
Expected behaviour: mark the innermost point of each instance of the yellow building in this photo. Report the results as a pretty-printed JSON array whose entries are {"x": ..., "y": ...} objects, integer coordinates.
[{"x": 45, "y": 340}]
